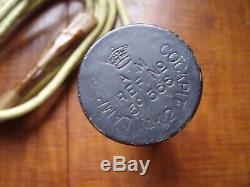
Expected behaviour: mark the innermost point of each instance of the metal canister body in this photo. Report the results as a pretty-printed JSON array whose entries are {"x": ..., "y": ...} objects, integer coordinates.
[{"x": 139, "y": 84}]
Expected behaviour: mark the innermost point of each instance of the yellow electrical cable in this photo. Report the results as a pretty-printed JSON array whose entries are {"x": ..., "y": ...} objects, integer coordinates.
[
  {"x": 123, "y": 13},
  {"x": 105, "y": 11},
  {"x": 20, "y": 9}
]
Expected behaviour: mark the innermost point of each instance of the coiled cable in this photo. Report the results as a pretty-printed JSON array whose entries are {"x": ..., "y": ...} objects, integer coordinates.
[{"x": 105, "y": 11}]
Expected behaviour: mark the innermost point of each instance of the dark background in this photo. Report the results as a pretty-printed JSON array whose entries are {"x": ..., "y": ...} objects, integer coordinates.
[{"x": 57, "y": 146}]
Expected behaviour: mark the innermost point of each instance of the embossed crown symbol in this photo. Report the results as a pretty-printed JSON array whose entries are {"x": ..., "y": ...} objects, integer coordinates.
[{"x": 119, "y": 57}]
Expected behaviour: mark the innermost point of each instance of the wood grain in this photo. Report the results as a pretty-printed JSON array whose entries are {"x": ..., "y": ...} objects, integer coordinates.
[{"x": 57, "y": 146}]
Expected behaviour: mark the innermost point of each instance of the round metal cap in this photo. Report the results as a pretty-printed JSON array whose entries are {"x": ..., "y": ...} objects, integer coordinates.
[{"x": 139, "y": 84}]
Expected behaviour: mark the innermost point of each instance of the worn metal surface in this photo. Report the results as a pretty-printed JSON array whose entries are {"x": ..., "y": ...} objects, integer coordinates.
[{"x": 139, "y": 84}]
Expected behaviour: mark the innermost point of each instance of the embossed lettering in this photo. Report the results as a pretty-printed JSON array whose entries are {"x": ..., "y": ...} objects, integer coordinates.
[
  {"x": 131, "y": 90},
  {"x": 183, "y": 82},
  {"x": 166, "y": 117},
  {"x": 142, "y": 66},
  {"x": 165, "y": 50},
  {"x": 152, "y": 95},
  {"x": 133, "y": 109},
  {"x": 168, "y": 81},
  {"x": 161, "y": 66},
  {"x": 124, "y": 78},
  {"x": 161, "y": 87},
  {"x": 121, "y": 96},
  {"x": 139, "y": 82}
]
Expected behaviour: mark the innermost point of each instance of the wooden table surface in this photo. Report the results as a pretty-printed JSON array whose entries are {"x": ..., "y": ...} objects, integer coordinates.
[{"x": 57, "y": 146}]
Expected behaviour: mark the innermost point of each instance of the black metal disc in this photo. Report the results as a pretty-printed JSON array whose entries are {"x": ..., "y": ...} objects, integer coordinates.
[{"x": 139, "y": 84}]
